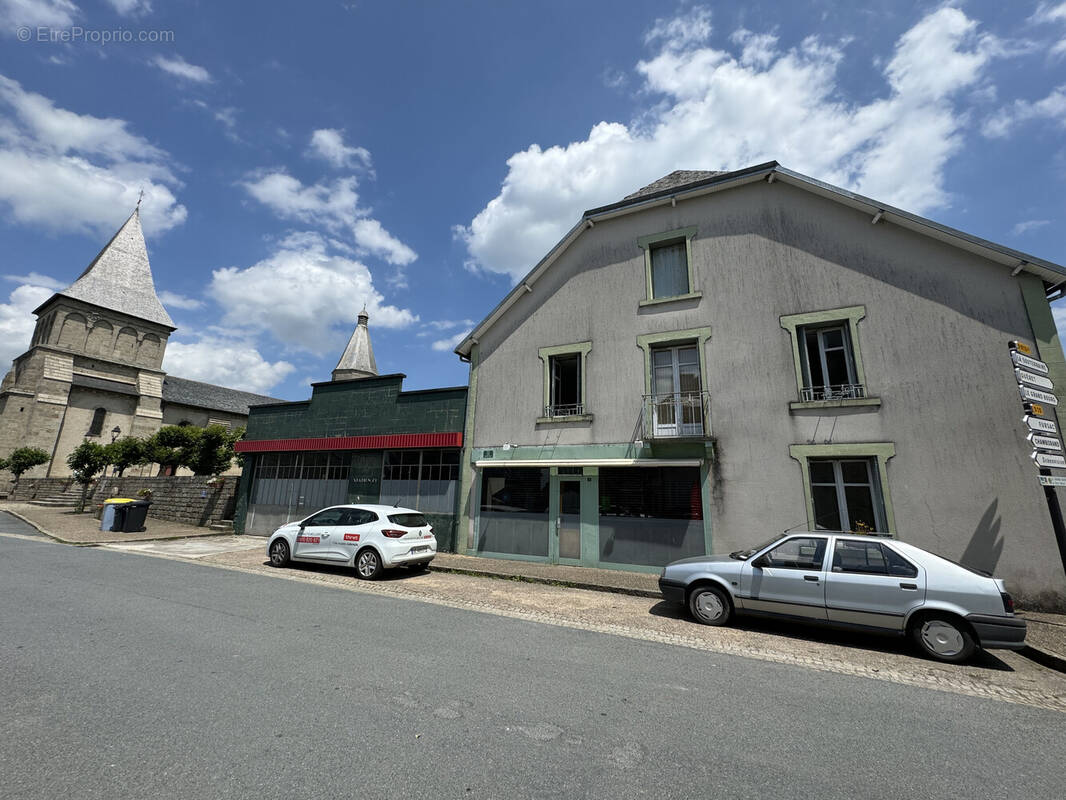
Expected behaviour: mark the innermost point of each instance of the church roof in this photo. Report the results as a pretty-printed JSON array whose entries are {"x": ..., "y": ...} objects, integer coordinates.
[
  {"x": 183, "y": 391},
  {"x": 120, "y": 277},
  {"x": 357, "y": 360}
]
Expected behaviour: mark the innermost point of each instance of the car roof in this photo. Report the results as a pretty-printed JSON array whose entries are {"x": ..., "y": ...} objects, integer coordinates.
[{"x": 381, "y": 509}]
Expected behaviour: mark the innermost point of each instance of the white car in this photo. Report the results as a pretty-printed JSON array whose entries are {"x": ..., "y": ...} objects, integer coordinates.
[
  {"x": 868, "y": 583},
  {"x": 369, "y": 538}
]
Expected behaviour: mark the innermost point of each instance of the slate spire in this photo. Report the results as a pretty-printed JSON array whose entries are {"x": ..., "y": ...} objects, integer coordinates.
[
  {"x": 120, "y": 277},
  {"x": 357, "y": 361}
]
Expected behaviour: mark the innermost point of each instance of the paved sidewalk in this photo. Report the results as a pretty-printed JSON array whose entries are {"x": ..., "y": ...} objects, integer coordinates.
[{"x": 66, "y": 526}]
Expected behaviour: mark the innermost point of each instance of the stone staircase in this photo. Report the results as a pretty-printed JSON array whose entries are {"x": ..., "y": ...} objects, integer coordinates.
[{"x": 58, "y": 498}]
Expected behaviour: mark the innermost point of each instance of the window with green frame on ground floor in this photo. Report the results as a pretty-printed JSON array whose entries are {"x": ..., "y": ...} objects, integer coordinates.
[{"x": 846, "y": 486}]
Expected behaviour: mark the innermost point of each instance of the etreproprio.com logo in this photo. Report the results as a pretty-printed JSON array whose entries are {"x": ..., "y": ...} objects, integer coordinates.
[{"x": 77, "y": 34}]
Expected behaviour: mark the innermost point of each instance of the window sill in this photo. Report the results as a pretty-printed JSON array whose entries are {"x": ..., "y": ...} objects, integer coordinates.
[
  {"x": 570, "y": 418},
  {"x": 675, "y": 299},
  {"x": 856, "y": 402}
]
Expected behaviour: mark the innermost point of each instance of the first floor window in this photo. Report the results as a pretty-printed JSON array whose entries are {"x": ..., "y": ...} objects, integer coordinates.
[
  {"x": 566, "y": 399},
  {"x": 828, "y": 363},
  {"x": 845, "y": 494}
]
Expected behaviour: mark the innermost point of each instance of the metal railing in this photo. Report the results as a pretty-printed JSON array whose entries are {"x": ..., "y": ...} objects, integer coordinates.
[
  {"x": 572, "y": 410},
  {"x": 676, "y": 415},
  {"x": 843, "y": 391}
]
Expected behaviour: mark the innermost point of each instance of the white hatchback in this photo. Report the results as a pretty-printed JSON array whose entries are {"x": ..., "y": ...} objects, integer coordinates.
[{"x": 369, "y": 538}]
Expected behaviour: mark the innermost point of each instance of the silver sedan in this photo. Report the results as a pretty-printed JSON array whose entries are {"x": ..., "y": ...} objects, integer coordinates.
[{"x": 860, "y": 582}]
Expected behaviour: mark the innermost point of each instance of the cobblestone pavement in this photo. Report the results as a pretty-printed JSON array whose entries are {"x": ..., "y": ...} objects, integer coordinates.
[
  {"x": 66, "y": 526},
  {"x": 999, "y": 675}
]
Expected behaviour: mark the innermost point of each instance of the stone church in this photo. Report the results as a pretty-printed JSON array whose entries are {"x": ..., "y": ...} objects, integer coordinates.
[{"x": 93, "y": 371}]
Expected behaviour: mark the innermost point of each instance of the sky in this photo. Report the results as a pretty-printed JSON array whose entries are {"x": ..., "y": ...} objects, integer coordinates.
[{"x": 302, "y": 159}]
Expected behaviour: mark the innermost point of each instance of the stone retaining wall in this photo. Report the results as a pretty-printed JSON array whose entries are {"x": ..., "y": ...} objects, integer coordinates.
[{"x": 188, "y": 500}]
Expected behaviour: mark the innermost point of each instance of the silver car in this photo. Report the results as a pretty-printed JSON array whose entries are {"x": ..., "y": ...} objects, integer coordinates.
[{"x": 861, "y": 582}]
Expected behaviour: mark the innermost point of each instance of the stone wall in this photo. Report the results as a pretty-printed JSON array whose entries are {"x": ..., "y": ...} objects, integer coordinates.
[{"x": 188, "y": 500}]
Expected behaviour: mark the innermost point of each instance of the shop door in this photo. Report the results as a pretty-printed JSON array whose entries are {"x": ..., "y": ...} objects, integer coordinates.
[{"x": 568, "y": 524}]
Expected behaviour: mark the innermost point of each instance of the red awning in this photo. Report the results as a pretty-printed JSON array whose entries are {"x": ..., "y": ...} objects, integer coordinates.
[{"x": 387, "y": 442}]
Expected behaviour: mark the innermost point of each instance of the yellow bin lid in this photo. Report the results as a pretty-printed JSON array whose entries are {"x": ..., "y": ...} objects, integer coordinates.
[{"x": 120, "y": 500}]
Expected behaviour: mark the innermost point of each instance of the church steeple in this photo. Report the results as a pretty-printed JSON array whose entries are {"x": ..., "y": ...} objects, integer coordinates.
[
  {"x": 357, "y": 361},
  {"x": 120, "y": 277}
]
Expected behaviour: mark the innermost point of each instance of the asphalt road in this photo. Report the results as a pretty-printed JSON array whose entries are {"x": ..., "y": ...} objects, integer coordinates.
[{"x": 123, "y": 676}]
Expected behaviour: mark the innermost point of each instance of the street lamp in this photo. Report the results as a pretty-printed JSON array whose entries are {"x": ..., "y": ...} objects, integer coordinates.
[{"x": 114, "y": 433}]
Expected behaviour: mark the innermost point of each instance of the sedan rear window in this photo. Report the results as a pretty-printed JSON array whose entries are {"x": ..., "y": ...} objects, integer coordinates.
[{"x": 408, "y": 520}]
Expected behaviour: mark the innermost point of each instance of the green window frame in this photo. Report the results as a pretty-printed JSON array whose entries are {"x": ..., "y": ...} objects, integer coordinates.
[
  {"x": 879, "y": 451},
  {"x": 657, "y": 240},
  {"x": 546, "y": 355},
  {"x": 847, "y": 318},
  {"x": 649, "y": 341}
]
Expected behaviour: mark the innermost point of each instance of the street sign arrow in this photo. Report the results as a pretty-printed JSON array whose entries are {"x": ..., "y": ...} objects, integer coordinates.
[
  {"x": 1045, "y": 442},
  {"x": 1030, "y": 364},
  {"x": 1042, "y": 425},
  {"x": 1031, "y": 378},
  {"x": 1037, "y": 396},
  {"x": 1049, "y": 460}
]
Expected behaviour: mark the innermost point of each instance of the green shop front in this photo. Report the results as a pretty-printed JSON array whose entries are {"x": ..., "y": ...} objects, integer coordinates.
[
  {"x": 355, "y": 441},
  {"x": 634, "y": 509}
]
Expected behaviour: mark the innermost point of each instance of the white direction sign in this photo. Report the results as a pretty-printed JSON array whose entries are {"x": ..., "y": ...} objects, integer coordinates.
[
  {"x": 1045, "y": 442},
  {"x": 1052, "y": 480},
  {"x": 1031, "y": 378},
  {"x": 1037, "y": 396},
  {"x": 1049, "y": 460},
  {"x": 1042, "y": 425},
  {"x": 1030, "y": 364}
]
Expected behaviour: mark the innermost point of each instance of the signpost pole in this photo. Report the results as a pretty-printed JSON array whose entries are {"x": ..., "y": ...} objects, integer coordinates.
[{"x": 1055, "y": 510}]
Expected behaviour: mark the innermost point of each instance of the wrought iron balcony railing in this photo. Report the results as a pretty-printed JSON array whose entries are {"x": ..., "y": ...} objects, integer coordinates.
[
  {"x": 676, "y": 415},
  {"x": 844, "y": 391},
  {"x": 571, "y": 410}
]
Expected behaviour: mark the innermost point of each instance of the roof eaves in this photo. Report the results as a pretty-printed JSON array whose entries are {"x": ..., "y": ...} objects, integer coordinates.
[{"x": 1008, "y": 256}]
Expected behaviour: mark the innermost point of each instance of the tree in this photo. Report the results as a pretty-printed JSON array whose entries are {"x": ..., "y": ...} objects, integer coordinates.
[
  {"x": 86, "y": 462},
  {"x": 170, "y": 446},
  {"x": 24, "y": 458},
  {"x": 212, "y": 451},
  {"x": 126, "y": 452}
]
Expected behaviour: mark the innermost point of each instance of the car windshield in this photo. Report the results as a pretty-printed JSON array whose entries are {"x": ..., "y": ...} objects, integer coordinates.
[
  {"x": 408, "y": 520},
  {"x": 744, "y": 555}
]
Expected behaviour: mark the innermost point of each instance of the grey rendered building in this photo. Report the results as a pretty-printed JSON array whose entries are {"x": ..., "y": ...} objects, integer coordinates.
[{"x": 723, "y": 356}]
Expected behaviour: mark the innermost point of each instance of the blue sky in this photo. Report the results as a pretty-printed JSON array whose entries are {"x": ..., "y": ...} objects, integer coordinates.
[{"x": 307, "y": 158}]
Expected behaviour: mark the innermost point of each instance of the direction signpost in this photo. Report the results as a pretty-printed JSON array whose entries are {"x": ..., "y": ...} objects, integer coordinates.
[{"x": 1035, "y": 388}]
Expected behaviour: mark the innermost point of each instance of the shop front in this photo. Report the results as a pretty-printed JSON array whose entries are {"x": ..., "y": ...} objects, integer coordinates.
[{"x": 640, "y": 514}]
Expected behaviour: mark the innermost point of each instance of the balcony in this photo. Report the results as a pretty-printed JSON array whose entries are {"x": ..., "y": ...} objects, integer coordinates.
[
  {"x": 678, "y": 415},
  {"x": 844, "y": 391},
  {"x": 573, "y": 410}
]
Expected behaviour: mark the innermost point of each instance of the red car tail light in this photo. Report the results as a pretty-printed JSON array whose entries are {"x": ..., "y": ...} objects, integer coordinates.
[
  {"x": 392, "y": 533},
  {"x": 1008, "y": 602}
]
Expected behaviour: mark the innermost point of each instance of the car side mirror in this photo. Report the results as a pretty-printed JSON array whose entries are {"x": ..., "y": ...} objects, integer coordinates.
[{"x": 760, "y": 562}]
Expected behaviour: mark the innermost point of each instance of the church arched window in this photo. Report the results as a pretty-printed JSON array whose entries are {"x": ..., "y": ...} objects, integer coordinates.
[{"x": 97, "y": 426}]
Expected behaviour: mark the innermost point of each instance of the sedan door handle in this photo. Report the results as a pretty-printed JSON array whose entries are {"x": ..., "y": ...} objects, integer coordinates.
[
  {"x": 811, "y": 578},
  {"x": 913, "y": 586}
]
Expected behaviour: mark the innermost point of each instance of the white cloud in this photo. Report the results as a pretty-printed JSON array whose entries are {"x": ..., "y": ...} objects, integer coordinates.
[
  {"x": 179, "y": 67},
  {"x": 1029, "y": 225},
  {"x": 328, "y": 144},
  {"x": 179, "y": 301},
  {"x": 17, "y": 321},
  {"x": 235, "y": 363},
  {"x": 1047, "y": 12},
  {"x": 333, "y": 207},
  {"x": 448, "y": 324},
  {"x": 129, "y": 8},
  {"x": 451, "y": 342},
  {"x": 1059, "y": 313},
  {"x": 37, "y": 279},
  {"x": 373, "y": 238},
  {"x": 1052, "y": 107},
  {"x": 716, "y": 109},
  {"x": 33, "y": 13},
  {"x": 304, "y": 294},
  {"x": 75, "y": 172}
]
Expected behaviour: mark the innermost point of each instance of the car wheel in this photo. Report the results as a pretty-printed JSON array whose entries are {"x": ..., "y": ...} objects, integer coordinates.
[
  {"x": 944, "y": 639},
  {"x": 368, "y": 564},
  {"x": 279, "y": 553},
  {"x": 709, "y": 605}
]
